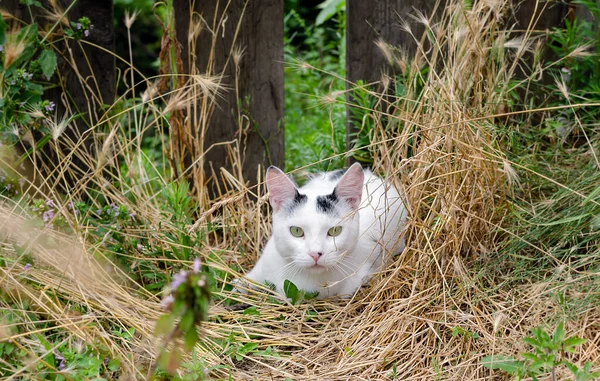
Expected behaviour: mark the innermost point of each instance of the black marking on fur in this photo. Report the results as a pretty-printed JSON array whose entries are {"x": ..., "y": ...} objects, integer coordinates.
[
  {"x": 337, "y": 174},
  {"x": 326, "y": 204},
  {"x": 298, "y": 200}
]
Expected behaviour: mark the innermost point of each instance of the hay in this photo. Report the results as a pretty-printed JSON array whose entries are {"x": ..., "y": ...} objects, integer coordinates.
[{"x": 432, "y": 314}]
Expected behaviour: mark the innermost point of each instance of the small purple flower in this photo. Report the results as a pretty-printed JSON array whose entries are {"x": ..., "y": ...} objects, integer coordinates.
[
  {"x": 76, "y": 212},
  {"x": 197, "y": 265},
  {"x": 139, "y": 247},
  {"x": 48, "y": 215},
  {"x": 178, "y": 279},
  {"x": 167, "y": 302},
  {"x": 27, "y": 267},
  {"x": 8, "y": 186},
  {"x": 50, "y": 106},
  {"x": 61, "y": 359},
  {"x": 1, "y": 48},
  {"x": 50, "y": 203},
  {"x": 86, "y": 33},
  {"x": 78, "y": 25},
  {"x": 70, "y": 205},
  {"x": 105, "y": 362},
  {"x": 21, "y": 181},
  {"x": 132, "y": 215}
]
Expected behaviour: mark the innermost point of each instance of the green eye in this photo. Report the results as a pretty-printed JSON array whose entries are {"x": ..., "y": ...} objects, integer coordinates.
[
  {"x": 296, "y": 231},
  {"x": 334, "y": 231}
]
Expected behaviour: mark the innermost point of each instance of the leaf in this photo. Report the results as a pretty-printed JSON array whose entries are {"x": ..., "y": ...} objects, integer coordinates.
[
  {"x": 47, "y": 62},
  {"x": 113, "y": 365},
  {"x": 505, "y": 363},
  {"x": 252, "y": 311},
  {"x": 191, "y": 338},
  {"x": 572, "y": 342},
  {"x": 328, "y": 9},
  {"x": 164, "y": 324},
  {"x": 559, "y": 333},
  {"x": 290, "y": 290},
  {"x": 187, "y": 321}
]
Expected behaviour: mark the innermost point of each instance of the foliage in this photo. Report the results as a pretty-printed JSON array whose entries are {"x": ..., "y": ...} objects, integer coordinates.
[
  {"x": 548, "y": 354},
  {"x": 314, "y": 117},
  {"x": 295, "y": 295},
  {"x": 187, "y": 305},
  {"x": 27, "y": 62}
]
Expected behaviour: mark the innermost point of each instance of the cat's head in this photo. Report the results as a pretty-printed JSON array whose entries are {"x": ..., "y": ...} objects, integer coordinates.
[{"x": 314, "y": 228}]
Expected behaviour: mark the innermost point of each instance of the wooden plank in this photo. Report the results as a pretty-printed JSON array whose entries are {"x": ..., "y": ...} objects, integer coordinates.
[
  {"x": 258, "y": 78},
  {"x": 370, "y": 21}
]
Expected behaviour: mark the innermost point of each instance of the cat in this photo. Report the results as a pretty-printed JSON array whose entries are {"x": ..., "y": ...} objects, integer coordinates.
[{"x": 332, "y": 234}]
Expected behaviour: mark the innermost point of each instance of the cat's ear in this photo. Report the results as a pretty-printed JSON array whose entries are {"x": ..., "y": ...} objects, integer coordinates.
[
  {"x": 350, "y": 187},
  {"x": 281, "y": 189}
]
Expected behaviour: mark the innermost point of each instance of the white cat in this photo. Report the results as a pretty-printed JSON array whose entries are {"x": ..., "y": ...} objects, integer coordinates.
[{"x": 331, "y": 234}]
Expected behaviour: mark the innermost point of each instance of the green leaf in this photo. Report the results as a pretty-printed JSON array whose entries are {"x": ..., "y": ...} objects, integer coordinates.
[
  {"x": 164, "y": 324},
  {"x": 505, "y": 363},
  {"x": 187, "y": 321},
  {"x": 310, "y": 295},
  {"x": 290, "y": 290},
  {"x": 113, "y": 365},
  {"x": 559, "y": 333},
  {"x": 252, "y": 311},
  {"x": 572, "y": 342},
  {"x": 530, "y": 356},
  {"x": 191, "y": 338},
  {"x": 47, "y": 62},
  {"x": 328, "y": 9}
]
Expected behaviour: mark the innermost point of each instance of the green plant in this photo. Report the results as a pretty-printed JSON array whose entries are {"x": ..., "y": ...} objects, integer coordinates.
[
  {"x": 315, "y": 115},
  {"x": 295, "y": 295},
  {"x": 548, "y": 354},
  {"x": 186, "y": 305}
]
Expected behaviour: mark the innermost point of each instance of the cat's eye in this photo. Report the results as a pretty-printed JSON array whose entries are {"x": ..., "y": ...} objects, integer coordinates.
[
  {"x": 296, "y": 231},
  {"x": 334, "y": 231}
]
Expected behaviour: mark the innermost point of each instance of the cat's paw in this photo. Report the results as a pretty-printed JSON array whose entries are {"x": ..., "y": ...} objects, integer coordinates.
[{"x": 240, "y": 286}]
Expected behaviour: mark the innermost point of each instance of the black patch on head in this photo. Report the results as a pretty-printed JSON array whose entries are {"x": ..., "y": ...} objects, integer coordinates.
[
  {"x": 336, "y": 174},
  {"x": 326, "y": 204},
  {"x": 298, "y": 200}
]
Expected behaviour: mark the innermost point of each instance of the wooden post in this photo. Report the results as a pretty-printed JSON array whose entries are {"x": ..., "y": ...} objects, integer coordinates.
[
  {"x": 85, "y": 78},
  {"x": 370, "y": 21},
  {"x": 252, "y": 85}
]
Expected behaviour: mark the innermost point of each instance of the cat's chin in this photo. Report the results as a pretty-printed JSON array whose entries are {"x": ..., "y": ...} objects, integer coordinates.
[{"x": 316, "y": 268}]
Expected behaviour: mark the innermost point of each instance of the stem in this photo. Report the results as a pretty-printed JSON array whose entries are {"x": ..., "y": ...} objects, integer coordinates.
[
  {"x": 58, "y": 22},
  {"x": 161, "y": 348}
]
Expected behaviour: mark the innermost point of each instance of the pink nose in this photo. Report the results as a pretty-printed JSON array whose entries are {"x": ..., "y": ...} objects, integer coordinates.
[{"x": 314, "y": 255}]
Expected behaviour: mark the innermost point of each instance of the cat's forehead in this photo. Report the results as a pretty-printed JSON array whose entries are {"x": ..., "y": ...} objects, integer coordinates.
[{"x": 313, "y": 206}]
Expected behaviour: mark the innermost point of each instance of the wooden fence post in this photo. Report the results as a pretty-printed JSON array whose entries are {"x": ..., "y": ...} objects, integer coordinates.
[
  {"x": 252, "y": 86},
  {"x": 370, "y": 21},
  {"x": 86, "y": 74}
]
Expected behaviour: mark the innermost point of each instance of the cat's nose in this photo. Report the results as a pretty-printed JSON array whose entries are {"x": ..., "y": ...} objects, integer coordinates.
[{"x": 314, "y": 255}]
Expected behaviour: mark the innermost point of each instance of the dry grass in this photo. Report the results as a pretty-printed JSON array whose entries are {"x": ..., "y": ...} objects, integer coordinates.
[{"x": 436, "y": 144}]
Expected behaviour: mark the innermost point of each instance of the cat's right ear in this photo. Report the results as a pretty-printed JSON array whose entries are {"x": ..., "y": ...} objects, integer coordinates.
[{"x": 281, "y": 189}]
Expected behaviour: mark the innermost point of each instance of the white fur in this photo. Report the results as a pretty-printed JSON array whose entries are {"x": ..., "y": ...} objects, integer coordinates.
[{"x": 368, "y": 235}]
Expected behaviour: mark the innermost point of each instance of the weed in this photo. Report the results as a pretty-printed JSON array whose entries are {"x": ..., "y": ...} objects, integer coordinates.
[{"x": 548, "y": 354}]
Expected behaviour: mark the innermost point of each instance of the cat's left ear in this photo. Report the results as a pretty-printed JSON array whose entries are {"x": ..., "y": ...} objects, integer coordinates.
[
  {"x": 350, "y": 187},
  {"x": 281, "y": 189}
]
